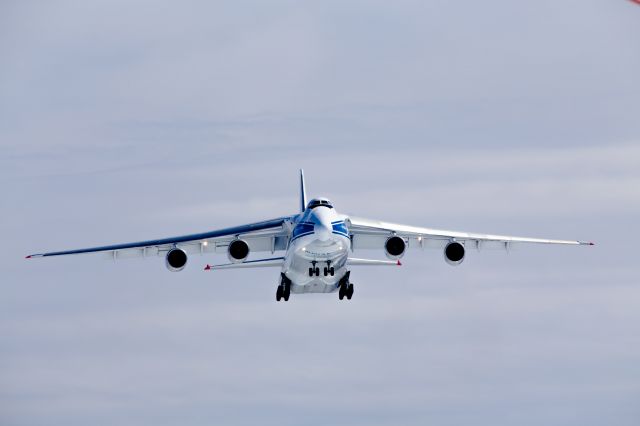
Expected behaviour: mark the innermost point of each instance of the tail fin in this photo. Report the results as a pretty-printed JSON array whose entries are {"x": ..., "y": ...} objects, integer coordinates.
[{"x": 303, "y": 192}]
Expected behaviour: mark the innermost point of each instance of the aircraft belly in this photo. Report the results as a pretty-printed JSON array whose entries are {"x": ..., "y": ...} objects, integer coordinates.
[
  {"x": 303, "y": 251},
  {"x": 315, "y": 286}
]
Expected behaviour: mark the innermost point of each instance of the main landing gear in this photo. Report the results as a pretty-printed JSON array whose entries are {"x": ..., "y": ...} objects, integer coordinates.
[
  {"x": 284, "y": 289},
  {"x": 328, "y": 270},
  {"x": 346, "y": 288}
]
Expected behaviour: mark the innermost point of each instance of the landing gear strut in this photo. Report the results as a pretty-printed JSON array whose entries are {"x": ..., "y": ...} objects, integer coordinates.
[
  {"x": 328, "y": 270},
  {"x": 346, "y": 288},
  {"x": 284, "y": 289},
  {"x": 314, "y": 270}
]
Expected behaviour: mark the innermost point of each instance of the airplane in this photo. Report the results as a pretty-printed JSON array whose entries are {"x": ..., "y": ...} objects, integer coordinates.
[{"x": 318, "y": 244}]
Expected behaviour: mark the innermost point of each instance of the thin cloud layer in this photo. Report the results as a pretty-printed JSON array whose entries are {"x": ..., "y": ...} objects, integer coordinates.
[{"x": 123, "y": 122}]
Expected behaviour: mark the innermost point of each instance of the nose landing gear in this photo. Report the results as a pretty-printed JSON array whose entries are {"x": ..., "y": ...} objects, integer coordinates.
[
  {"x": 314, "y": 270},
  {"x": 329, "y": 270}
]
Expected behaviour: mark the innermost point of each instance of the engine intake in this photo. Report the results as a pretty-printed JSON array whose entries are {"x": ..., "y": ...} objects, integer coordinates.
[
  {"x": 176, "y": 260},
  {"x": 395, "y": 247},
  {"x": 454, "y": 253},
  {"x": 238, "y": 251}
]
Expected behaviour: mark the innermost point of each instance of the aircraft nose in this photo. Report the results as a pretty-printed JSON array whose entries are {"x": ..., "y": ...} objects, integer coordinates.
[
  {"x": 322, "y": 226},
  {"x": 322, "y": 231}
]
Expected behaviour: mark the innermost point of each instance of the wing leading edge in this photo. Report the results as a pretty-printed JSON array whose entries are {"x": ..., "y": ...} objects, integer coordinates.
[
  {"x": 369, "y": 234},
  {"x": 268, "y": 229}
]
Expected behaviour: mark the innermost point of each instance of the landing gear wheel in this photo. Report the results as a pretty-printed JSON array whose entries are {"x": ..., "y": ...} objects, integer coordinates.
[
  {"x": 311, "y": 272},
  {"x": 317, "y": 272},
  {"x": 326, "y": 271},
  {"x": 349, "y": 292},
  {"x": 343, "y": 289},
  {"x": 284, "y": 289},
  {"x": 332, "y": 271}
]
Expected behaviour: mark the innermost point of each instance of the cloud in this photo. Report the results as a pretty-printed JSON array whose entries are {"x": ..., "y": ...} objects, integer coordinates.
[{"x": 124, "y": 121}]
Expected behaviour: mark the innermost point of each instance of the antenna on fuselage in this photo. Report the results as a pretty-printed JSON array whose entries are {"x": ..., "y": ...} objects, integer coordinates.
[{"x": 303, "y": 192}]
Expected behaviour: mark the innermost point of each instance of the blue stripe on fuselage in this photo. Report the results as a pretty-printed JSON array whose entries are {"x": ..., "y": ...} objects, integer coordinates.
[
  {"x": 340, "y": 227},
  {"x": 302, "y": 228},
  {"x": 301, "y": 235}
]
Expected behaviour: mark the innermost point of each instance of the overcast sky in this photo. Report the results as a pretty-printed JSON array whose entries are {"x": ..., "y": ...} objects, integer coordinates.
[{"x": 122, "y": 121}]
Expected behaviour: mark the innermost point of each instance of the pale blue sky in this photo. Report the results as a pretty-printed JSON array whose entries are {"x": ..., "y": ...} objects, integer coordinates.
[{"x": 122, "y": 121}]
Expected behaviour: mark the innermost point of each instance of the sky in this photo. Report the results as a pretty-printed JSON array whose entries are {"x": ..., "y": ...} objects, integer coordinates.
[{"x": 122, "y": 121}]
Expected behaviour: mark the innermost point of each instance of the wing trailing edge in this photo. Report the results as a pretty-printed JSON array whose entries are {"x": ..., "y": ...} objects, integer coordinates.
[{"x": 257, "y": 263}]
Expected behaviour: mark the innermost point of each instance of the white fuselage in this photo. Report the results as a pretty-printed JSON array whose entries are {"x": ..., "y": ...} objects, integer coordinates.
[{"x": 320, "y": 239}]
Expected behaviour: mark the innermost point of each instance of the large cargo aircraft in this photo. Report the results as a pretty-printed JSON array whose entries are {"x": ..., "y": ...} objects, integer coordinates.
[{"x": 317, "y": 246}]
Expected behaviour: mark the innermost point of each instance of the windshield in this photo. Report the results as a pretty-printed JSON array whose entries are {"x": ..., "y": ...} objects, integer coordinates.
[{"x": 319, "y": 203}]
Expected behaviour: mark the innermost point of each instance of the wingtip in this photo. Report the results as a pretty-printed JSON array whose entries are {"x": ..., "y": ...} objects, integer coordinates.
[
  {"x": 399, "y": 263},
  {"x": 207, "y": 268},
  {"x": 28, "y": 257}
]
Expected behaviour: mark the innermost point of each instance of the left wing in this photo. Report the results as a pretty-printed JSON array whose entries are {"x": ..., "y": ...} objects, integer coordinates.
[
  {"x": 269, "y": 235},
  {"x": 369, "y": 234}
]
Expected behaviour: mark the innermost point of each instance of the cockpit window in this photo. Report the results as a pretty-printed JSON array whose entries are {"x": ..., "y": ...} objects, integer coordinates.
[{"x": 319, "y": 203}]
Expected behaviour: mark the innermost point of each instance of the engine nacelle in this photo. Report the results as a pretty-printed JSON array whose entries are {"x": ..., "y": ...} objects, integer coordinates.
[
  {"x": 238, "y": 251},
  {"x": 454, "y": 253},
  {"x": 395, "y": 247},
  {"x": 176, "y": 260}
]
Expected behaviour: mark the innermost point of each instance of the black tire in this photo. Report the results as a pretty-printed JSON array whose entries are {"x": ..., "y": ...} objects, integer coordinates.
[
  {"x": 341, "y": 292},
  {"x": 286, "y": 293},
  {"x": 332, "y": 271},
  {"x": 311, "y": 271},
  {"x": 326, "y": 271},
  {"x": 349, "y": 292},
  {"x": 279, "y": 293},
  {"x": 317, "y": 272}
]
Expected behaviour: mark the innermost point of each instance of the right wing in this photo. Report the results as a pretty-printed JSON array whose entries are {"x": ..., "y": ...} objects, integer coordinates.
[
  {"x": 352, "y": 261},
  {"x": 372, "y": 234},
  {"x": 269, "y": 235}
]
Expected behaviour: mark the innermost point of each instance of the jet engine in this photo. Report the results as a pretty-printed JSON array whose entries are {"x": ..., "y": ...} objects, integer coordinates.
[
  {"x": 238, "y": 251},
  {"x": 176, "y": 260},
  {"x": 454, "y": 253},
  {"x": 395, "y": 247}
]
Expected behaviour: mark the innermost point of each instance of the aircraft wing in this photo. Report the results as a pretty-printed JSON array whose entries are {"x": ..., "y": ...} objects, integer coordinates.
[
  {"x": 372, "y": 234},
  {"x": 269, "y": 235}
]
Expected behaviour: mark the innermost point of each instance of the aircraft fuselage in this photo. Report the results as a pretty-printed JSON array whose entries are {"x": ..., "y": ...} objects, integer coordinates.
[{"x": 320, "y": 241}]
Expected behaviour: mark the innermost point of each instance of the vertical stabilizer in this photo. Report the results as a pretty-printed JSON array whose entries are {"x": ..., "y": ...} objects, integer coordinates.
[{"x": 303, "y": 192}]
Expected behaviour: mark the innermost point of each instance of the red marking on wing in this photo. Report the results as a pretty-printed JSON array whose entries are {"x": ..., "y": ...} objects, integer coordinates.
[
  {"x": 27, "y": 257},
  {"x": 399, "y": 263},
  {"x": 207, "y": 268}
]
